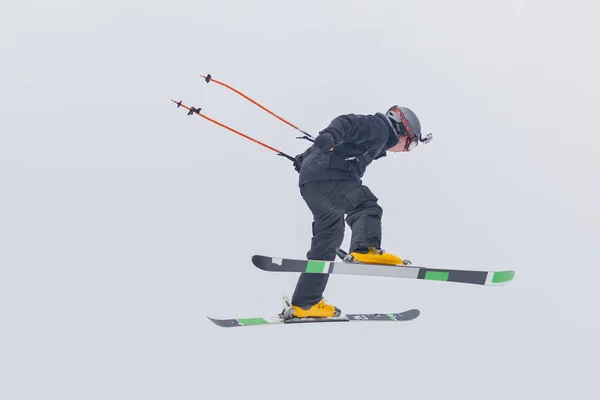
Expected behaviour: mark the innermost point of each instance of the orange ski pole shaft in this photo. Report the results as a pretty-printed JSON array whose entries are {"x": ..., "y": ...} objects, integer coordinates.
[
  {"x": 209, "y": 78},
  {"x": 193, "y": 110}
]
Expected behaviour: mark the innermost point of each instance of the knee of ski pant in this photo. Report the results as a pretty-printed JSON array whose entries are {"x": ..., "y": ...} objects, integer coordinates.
[{"x": 362, "y": 199}]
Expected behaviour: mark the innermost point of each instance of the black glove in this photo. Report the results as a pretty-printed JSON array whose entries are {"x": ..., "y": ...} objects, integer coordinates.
[
  {"x": 325, "y": 142},
  {"x": 298, "y": 161}
]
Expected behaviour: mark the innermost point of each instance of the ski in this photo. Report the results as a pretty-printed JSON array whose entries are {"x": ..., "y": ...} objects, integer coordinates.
[
  {"x": 234, "y": 322},
  {"x": 487, "y": 278}
]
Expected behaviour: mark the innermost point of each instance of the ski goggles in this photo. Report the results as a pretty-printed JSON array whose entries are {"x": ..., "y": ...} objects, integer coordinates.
[{"x": 412, "y": 141}]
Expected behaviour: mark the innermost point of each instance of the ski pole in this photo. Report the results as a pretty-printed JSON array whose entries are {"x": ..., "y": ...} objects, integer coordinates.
[
  {"x": 193, "y": 110},
  {"x": 306, "y": 136}
]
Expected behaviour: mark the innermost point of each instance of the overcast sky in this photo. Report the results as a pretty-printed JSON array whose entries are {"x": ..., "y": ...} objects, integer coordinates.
[{"x": 124, "y": 222}]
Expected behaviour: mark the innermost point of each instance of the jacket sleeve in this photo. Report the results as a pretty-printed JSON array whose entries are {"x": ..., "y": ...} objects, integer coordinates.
[{"x": 341, "y": 128}]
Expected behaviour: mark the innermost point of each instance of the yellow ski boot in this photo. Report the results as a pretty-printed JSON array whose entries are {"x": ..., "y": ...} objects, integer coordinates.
[
  {"x": 319, "y": 310},
  {"x": 377, "y": 256}
]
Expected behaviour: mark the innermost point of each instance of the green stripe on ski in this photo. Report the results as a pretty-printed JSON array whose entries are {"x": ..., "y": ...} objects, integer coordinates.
[
  {"x": 315, "y": 266},
  {"x": 436, "y": 275},
  {"x": 503, "y": 276},
  {"x": 252, "y": 321},
  {"x": 391, "y": 317}
]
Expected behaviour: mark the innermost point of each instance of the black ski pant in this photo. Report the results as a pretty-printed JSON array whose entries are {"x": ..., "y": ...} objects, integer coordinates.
[{"x": 329, "y": 201}]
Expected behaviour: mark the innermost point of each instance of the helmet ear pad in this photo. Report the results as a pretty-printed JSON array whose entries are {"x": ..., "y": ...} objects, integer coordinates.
[{"x": 400, "y": 128}]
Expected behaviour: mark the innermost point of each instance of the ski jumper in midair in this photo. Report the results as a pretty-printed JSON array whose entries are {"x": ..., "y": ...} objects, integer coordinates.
[{"x": 330, "y": 173}]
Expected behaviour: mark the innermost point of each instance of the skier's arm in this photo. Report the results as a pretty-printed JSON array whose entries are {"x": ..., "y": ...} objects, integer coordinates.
[
  {"x": 338, "y": 130},
  {"x": 349, "y": 135}
]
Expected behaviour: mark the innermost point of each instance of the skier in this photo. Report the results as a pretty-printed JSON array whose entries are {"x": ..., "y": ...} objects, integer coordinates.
[{"x": 330, "y": 173}]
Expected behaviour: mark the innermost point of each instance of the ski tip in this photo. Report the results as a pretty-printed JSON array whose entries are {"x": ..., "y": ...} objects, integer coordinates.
[
  {"x": 409, "y": 315},
  {"x": 224, "y": 323},
  {"x": 259, "y": 261},
  {"x": 215, "y": 321}
]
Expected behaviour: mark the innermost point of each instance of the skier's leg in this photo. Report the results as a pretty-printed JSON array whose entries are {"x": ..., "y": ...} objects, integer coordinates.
[
  {"x": 328, "y": 234},
  {"x": 363, "y": 216}
]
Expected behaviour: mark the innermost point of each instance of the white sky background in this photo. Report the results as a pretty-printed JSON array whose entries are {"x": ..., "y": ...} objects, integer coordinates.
[{"x": 124, "y": 222}]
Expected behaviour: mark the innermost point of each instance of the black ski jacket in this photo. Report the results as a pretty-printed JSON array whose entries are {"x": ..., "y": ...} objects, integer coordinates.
[{"x": 344, "y": 149}]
